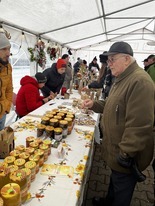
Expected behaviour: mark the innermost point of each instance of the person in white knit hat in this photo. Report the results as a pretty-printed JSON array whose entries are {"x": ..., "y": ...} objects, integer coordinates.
[{"x": 6, "y": 87}]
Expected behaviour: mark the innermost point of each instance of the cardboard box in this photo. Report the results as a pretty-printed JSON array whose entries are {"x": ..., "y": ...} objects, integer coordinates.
[{"x": 6, "y": 142}]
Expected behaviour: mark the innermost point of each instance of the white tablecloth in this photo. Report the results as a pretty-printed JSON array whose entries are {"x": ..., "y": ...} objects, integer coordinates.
[{"x": 62, "y": 191}]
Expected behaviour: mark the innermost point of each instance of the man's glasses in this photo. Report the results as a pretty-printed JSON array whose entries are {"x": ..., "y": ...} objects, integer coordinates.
[{"x": 113, "y": 59}]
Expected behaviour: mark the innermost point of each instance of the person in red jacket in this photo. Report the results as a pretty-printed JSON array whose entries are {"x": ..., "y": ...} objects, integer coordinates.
[{"x": 28, "y": 96}]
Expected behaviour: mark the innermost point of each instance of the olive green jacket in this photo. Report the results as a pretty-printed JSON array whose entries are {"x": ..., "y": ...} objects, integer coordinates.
[
  {"x": 6, "y": 89},
  {"x": 128, "y": 117}
]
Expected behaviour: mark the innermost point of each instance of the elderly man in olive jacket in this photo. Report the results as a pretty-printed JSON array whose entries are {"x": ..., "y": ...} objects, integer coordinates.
[{"x": 127, "y": 124}]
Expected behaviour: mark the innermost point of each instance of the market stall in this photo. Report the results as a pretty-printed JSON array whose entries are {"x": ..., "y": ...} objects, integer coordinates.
[{"x": 62, "y": 178}]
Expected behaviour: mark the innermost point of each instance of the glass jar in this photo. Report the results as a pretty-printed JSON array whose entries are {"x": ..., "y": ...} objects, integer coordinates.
[
  {"x": 9, "y": 160},
  {"x": 69, "y": 120},
  {"x": 58, "y": 133},
  {"x": 24, "y": 155},
  {"x": 44, "y": 147},
  {"x": 15, "y": 153},
  {"x": 45, "y": 120},
  {"x": 48, "y": 143},
  {"x": 54, "y": 122},
  {"x": 49, "y": 115},
  {"x": 29, "y": 140},
  {"x": 29, "y": 150},
  {"x": 21, "y": 148},
  {"x": 58, "y": 117},
  {"x": 20, "y": 163},
  {"x": 61, "y": 114},
  {"x": 32, "y": 166},
  {"x": 64, "y": 125},
  {"x": 41, "y": 155},
  {"x": 49, "y": 130},
  {"x": 34, "y": 145},
  {"x": 35, "y": 158},
  {"x": 19, "y": 177},
  {"x": 40, "y": 129}
]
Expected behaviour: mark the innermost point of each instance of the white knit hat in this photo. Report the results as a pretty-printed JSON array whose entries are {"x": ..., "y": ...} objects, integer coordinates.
[{"x": 4, "y": 42}]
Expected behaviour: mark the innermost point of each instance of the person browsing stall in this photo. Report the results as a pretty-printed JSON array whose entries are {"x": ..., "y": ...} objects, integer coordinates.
[
  {"x": 55, "y": 78},
  {"x": 68, "y": 72},
  {"x": 6, "y": 87},
  {"x": 28, "y": 97},
  {"x": 128, "y": 136}
]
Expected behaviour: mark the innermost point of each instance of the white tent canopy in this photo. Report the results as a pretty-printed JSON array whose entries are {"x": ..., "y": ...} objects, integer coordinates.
[{"x": 88, "y": 27}]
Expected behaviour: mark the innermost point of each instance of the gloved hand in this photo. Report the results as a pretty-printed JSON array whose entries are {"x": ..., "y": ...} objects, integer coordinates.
[
  {"x": 129, "y": 162},
  {"x": 125, "y": 161}
]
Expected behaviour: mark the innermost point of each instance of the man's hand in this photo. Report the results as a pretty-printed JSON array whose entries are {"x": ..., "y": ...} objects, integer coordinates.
[
  {"x": 125, "y": 160},
  {"x": 128, "y": 162},
  {"x": 88, "y": 103}
]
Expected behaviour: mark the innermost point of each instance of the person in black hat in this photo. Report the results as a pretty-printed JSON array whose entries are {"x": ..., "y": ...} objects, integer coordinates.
[
  {"x": 151, "y": 59},
  {"x": 146, "y": 64},
  {"x": 128, "y": 142},
  {"x": 93, "y": 66},
  {"x": 102, "y": 74},
  {"x": 28, "y": 97}
]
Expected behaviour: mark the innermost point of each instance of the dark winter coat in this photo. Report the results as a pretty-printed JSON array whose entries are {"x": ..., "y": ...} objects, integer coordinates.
[
  {"x": 28, "y": 97},
  {"x": 54, "y": 80},
  {"x": 128, "y": 116}
]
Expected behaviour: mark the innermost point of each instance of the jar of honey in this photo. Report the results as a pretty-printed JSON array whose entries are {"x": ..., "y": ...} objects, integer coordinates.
[
  {"x": 41, "y": 155},
  {"x": 44, "y": 147},
  {"x": 24, "y": 155},
  {"x": 9, "y": 160},
  {"x": 19, "y": 177},
  {"x": 48, "y": 143},
  {"x": 49, "y": 130},
  {"x": 45, "y": 120},
  {"x": 58, "y": 117},
  {"x": 40, "y": 129},
  {"x": 58, "y": 133},
  {"x": 29, "y": 140},
  {"x": 20, "y": 163},
  {"x": 34, "y": 145},
  {"x": 54, "y": 122},
  {"x": 64, "y": 125},
  {"x": 35, "y": 158},
  {"x": 69, "y": 120},
  {"x": 32, "y": 166}
]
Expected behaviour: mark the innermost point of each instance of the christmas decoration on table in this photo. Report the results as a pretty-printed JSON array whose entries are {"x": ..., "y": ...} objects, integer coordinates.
[
  {"x": 53, "y": 51},
  {"x": 38, "y": 54}
]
